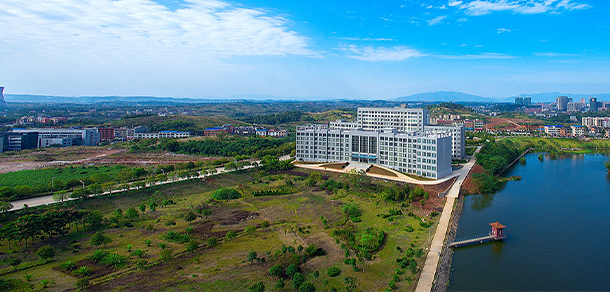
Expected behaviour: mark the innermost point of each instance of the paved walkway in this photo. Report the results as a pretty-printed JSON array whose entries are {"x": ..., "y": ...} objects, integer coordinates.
[
  {"x": 426, "y": 279},
  {"x": 399, "y": 176}
]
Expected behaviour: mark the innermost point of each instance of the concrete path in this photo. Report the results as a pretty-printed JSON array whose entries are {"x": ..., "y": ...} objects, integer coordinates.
[
  {"x": 399, "y": 176},
  {"x": 46, "y": 200},
  {"x": 426, "y": 279}
]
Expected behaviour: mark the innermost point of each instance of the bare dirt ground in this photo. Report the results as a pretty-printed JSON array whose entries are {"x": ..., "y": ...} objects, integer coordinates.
[
  {"x": 511, "y": 124},
  {"x": 79, "y": 155},
  {"x": 468, "y": 184}
]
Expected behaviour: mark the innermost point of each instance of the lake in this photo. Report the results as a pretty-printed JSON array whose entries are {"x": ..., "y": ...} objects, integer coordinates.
[{"x": 558, "y": 229}]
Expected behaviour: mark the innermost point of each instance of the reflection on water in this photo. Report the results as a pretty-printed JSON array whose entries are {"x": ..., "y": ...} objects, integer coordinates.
[{"x": 481, "y": 201}]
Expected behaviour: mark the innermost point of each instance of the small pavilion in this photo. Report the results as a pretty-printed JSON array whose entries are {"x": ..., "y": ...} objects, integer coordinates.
[{"x": 497, "y": 230}]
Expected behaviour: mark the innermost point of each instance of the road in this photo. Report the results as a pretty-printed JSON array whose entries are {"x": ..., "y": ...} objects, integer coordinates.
[{"x": 46, "y": 200}]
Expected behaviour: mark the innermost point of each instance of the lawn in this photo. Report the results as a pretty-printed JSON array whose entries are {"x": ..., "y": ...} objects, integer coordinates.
[{"x": 272, "y": 226}]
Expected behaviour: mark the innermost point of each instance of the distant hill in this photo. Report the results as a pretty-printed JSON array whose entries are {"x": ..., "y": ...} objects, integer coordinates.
[
  {"x": 446, "y": 96},
  {"x": 193, "y": 124},
  {"x": 148, "y": 99}
]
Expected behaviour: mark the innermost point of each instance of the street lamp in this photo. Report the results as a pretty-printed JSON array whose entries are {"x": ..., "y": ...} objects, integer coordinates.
[
  {"x": 52, "y": 186},
  {"x": 83, "y": 183}
]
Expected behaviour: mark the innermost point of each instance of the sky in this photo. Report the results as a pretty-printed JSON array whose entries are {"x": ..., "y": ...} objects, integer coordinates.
[{"x": 303, "y": 49}]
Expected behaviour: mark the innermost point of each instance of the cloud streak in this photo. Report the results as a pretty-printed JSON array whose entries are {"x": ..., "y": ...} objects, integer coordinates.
[
  {"x": 368, "y": 53},
  {"x": 484, "y": 7},
  {"x": 436, "y": 20},
  {"x": 143, "y": 29}
]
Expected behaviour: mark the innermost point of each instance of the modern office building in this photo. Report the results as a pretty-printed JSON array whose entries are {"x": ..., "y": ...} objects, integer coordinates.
[
  {"x": 90, "y": 137},
  {"x": 417, "y": 152},
  {"x": 404, "y": 120},
  {"x": 18, "y": 141}
]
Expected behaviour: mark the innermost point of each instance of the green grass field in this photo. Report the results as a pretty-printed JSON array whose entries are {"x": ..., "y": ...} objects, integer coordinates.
[
  {"x": 307, "y": 216},
  {"x": 33, "y": 178}
]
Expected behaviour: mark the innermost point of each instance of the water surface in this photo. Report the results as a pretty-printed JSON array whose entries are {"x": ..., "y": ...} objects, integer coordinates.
[{"x": 558, "y": 227}]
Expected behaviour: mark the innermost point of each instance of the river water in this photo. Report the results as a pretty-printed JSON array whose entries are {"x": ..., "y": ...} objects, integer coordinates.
[{"x": 558, "y": 228}]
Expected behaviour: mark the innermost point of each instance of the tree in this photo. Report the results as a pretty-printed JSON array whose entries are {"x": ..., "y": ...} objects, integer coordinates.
[
  {"x": 607, "y": 165},
  {"x": 206, "y": 213},
  {"x": 276, "y": 271},
  {"x": 212, "y": 242},
  {"x": 99, "y": 239},
  {"x": 5, "y": 206},
  {"x": 153, "y": 206},
  {"x": 231, "y": 234},
  {"x": 251, "y": 256},
  {"x": 61, "y": 196},
  {"x": 250, "y": 229},
  {"x": 258, "y": 287},
  {"x": 45, "y": 252},
  {"x": 291, "y": 270},
  {"x": 150, "y": 228},
  {"x": 297, "y": 280},
  {"x": 131, "y": 213},
  {"x": 192, "y": 246},
  {"x": 142, "y": 208},
  {"x": 307, "y": 287}
]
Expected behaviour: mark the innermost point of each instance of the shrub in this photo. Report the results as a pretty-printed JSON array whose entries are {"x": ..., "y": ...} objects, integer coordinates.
[
  {"x": 45, "y": 252},
  {"x": 98, "y": 255},
  {"x": 115, "y": 259},
  {"x": 258, "y": 287},
  {"x": 69, "y": 265},
  {"x": 226, "y": 194},
  {"x": 83, "y": 271},
  {"x": 333, "y": 272},
  {"x": 82, "y": 283},
  {"x": 297, "y": 280}
]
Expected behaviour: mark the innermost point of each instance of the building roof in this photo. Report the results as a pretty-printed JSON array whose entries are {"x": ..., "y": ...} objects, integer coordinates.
[
  {"x": 214, "y": 128},
  {"x": 497, "y": 225}
]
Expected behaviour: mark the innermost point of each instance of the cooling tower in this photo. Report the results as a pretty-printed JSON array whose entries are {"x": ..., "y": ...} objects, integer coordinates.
[{"x": 2, "y": 102}]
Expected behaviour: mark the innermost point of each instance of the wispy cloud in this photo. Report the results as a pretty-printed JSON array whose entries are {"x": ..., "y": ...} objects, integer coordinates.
[
  {"x": 474, "y": 57},
  {"x": 143, "y": 29},
  {"x": 501, "y": 30},
  {"x": 368, "y": 53},
  {"x": 368, "y": 39},
  {"x": 483, "y": 7},
  {"x": 436, "y": 20},
  {"x": 552, "y": 54}
]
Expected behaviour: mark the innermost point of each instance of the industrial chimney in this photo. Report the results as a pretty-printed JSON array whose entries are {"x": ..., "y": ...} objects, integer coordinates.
[{"x": 2, "y": 102}]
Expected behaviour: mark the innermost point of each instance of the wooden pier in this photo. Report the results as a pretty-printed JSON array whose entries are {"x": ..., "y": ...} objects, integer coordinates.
[{"x": 495, "y": 234}]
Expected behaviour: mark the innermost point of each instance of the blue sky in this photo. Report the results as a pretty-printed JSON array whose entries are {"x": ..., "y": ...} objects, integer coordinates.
[{"x": 335, "y": 49}]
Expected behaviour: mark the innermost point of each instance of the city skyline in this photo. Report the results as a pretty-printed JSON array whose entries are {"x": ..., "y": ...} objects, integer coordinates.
[{"x": 347, "y": 50}]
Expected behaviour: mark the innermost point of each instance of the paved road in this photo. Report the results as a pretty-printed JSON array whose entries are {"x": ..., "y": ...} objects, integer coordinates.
[
  {"x": 46, "y": 200},
  {"x": 426, "y": 279}
]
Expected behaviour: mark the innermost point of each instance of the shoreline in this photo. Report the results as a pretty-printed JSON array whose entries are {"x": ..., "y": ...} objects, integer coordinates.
[{"x": 443, "y": 271}]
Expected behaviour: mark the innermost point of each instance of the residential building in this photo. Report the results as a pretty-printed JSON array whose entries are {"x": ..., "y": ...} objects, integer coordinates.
[
  {"x": 106, "y": 134},
  {"x": 417, "y": 152},
  {"x": 591, "y": 122},
  {"x": 554, "y": 130},
  {"x": 577, "y": 131},
  {"x": 277, "y": 133},
  {"x": 213, "y": 131},
  {"x": 575, "y": 106},
  {"x": 562, "y": 103},
  {"x": 163, "y": 134},
  {"x": 593, "y": 105}
]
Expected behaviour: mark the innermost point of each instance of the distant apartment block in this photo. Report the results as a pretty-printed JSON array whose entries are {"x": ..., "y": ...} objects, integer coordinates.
[
  {"x": 527, "y": 101},
  {"x": 562, "y": 103},
  {"x": 422, "y": 153},
  {"x": 576, "y": 106},
  {"x": 599, "y": 122},
  {"x": 162, "y": 134}
]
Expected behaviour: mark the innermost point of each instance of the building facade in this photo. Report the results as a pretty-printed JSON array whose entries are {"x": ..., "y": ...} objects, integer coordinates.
[
  {"x": 421, "y": 153},
  {"x": 404, "y": 120},
  {"x": 90, "y": 137},
  {"x": 162, "y": 134}
]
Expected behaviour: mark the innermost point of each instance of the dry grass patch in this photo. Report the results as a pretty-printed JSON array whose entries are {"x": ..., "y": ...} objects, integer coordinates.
[{"x": 378, "y": 170}]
